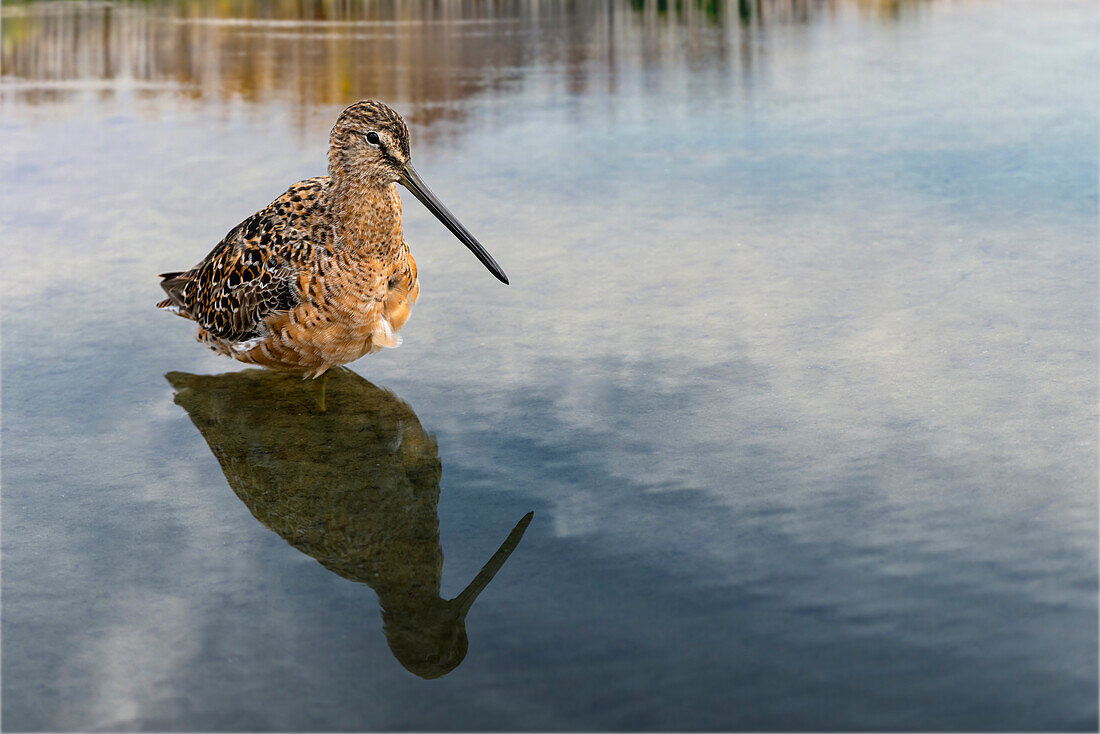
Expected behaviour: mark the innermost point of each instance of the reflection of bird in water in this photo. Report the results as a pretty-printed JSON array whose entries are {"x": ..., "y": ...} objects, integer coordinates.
[
  {"x": 322, "y": 275},
  {"x": 355, "y": 487}
]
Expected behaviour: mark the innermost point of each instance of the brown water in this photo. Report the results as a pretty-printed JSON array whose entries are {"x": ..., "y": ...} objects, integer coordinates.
[{"x": 797, "y": 372}]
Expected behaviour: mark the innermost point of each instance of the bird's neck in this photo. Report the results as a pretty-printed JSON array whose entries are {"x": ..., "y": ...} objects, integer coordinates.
[{"x": 367, "y": 217}]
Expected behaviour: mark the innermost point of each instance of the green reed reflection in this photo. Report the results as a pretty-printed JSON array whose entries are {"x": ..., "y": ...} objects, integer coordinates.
[{"x": 355, "y": 487}]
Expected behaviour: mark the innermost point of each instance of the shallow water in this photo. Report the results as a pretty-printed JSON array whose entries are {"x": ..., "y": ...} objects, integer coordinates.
[{"x": 797, "y": 371}]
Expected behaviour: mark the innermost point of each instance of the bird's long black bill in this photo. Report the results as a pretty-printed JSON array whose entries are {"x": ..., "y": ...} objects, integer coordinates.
[{"x": 420, "y": 190}]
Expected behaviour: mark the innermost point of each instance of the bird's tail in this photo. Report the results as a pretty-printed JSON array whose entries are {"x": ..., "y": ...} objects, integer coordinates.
[{"x": 173, "y": 284}]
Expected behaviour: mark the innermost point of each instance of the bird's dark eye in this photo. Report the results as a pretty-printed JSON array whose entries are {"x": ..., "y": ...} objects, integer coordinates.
[{"x": 373, "y": 139}]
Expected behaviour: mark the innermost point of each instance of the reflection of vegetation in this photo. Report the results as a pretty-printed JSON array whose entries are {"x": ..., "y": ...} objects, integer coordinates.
[
  {"x": 422, "y": 55},
  {"x": 888, "y": 9},
  {"x": 765, "y": 12},
  {"x": 355, "y": 487},
  {"x": 310, "y": 52},
  {"x": 744, "y": 11},
  {"x": 712, "y": 9}
]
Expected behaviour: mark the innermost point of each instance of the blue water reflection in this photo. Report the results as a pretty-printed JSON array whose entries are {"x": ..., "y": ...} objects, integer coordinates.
[{"x": 797, "y": 370}]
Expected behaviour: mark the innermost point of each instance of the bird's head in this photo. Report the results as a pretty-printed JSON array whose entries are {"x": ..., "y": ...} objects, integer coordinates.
[
  {"x": 369, "y": 147},
  {"x": 369, "y": 143}
]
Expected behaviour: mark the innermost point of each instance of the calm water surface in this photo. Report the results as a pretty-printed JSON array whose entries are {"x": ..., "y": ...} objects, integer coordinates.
[{"x": 797, "y": 372}]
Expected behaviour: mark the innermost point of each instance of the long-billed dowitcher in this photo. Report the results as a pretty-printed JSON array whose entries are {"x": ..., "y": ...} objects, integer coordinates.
[{"x": 322, "y": 275}]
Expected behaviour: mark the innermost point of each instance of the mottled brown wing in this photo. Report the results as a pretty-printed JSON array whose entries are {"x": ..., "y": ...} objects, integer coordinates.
[
  {"x": 235, "y": 288},
  {"x": 252, "y": 273}
]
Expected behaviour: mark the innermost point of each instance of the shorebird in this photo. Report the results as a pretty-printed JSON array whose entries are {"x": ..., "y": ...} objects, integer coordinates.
[{"x": 322, "y": 275}]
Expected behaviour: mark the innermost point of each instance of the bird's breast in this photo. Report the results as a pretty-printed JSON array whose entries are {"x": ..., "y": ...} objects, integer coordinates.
[{"x": 346, "y": 312}]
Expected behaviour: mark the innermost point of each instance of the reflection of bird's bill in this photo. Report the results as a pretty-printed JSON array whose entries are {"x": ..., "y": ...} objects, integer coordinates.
[
  {"x": 466, "y": 599},
  {"x": 412, "y": 181}
]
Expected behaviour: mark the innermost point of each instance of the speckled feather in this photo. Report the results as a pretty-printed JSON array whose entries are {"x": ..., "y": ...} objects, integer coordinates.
[{"x": 322, "y": 275}]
